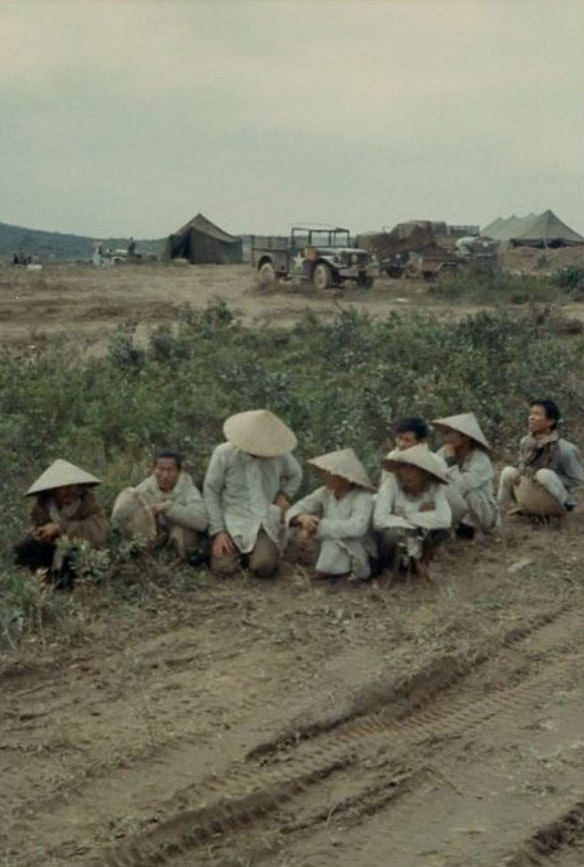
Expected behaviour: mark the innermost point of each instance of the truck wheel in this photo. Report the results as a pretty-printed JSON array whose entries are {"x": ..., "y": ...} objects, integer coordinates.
[
  {"x": 366, "y": 282},
  {"x": 266, "y": 275},
  {"x": 322, "y": 276}
]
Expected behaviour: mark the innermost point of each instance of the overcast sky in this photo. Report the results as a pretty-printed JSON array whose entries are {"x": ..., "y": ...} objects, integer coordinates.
[{"x": 124, "y": 117}]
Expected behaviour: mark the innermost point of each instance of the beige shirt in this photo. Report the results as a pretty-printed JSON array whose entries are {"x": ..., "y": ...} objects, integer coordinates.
[
  {"x": 240, "y": 490},
  {"x": 345, "y": 527},
  {"x": 396, "y": 508},
  {"x": 185, "y": 503}
]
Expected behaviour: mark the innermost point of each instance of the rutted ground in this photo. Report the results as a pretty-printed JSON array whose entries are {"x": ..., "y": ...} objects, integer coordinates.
[
  {"x": 87, "y": 303},
  {"x": 287, "y": 725}
]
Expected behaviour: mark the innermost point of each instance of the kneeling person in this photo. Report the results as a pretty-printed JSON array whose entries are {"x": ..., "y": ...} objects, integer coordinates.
[
  {"x": 166, "y": 508},
  {"x": 411, "y": 514},
  {"x": 65, "y": 513},
  {"x": 249, "y": 484},
  {"x": 549, "y": 467},
  {"x": 338, "y": 517}
]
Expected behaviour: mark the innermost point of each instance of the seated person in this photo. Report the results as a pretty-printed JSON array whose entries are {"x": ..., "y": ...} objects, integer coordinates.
[
  {"x": 337, "y": 517},
  {"x": 166, "y": 508},
  {"x": 549, "y": 467},
  {"x": 64, "y": 513},
  {"x": 470, "y": 490},
  {"x": 410, "y": 431},
  {"x": 411, "y": 514},
  {"x": 249, "y": 484}
]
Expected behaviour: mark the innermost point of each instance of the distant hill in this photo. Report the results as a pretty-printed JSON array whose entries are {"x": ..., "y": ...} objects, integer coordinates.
[{"x": 45, "y": 245}]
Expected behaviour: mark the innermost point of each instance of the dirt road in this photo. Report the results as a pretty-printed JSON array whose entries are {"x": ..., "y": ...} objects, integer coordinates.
[
  {"x": 88, "y": 302},
  {"x": 285, "y": 724}
]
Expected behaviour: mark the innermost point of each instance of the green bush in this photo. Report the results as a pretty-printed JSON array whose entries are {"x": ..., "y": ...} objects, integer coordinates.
[
  {"x": 337, "y": 384},
  {"x": 571, "y": 279}
]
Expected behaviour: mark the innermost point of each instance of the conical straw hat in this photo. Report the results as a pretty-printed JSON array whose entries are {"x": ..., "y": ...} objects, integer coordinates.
[
  {"x": 533, "y": 499},
  {"x": 346, "y": 464},
  {"x": 465, "y": 423},
  {"x": 259, "y": 432},
  {"x": 416, "y": 456},
  {"x": 132, "y": 516},
  {"x": 61, "y": 473}
]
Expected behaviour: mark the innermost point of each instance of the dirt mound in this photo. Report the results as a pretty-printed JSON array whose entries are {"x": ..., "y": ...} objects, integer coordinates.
[{"x": 529, "y": 260}]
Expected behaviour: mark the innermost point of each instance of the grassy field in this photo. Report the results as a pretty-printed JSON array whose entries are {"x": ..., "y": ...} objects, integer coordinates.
[{"x": 337, "y": 384}]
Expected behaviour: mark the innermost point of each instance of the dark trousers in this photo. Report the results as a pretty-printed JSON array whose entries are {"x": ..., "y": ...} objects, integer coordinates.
[
  {"x": 37, "y": 554},
  {"x": 390, "y": 539}
]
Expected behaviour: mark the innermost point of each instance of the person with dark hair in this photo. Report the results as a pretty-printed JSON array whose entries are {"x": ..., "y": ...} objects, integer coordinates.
[
  {"x": 65, "y": 514},
  {"x": 166, "y": 508},
  {"x": 410, "y": 431},
  {"x": 549, "y": 467}
]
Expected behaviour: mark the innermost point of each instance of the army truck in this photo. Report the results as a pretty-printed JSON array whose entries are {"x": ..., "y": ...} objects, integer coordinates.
[{"x": 326, "y": 257}]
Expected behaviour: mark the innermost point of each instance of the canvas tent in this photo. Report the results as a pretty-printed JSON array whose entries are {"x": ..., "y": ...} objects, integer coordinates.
[
  {"x": 534, "y": 230},
  {"x": 201, "y": 242}
]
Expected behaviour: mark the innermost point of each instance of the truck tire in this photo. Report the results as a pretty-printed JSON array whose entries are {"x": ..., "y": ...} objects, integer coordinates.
[
  {"x": 365, "y": 281},
  {"x": 266, "y": 275},
  {"x": 322, "y": 276}
]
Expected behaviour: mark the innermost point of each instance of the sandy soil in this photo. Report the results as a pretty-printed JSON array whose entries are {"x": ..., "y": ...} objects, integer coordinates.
[
  {"x": 288, "y": 724},
  {"x": 88, "y": 302}
]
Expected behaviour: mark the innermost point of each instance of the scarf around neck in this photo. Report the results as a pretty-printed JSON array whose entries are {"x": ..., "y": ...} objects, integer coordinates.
[{"x": 537, "y": 451}]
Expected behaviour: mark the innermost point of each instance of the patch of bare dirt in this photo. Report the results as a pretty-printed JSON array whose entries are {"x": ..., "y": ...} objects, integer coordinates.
[
  {"x": 531, "y": 261},
  {"x": 285, "y": 724}
]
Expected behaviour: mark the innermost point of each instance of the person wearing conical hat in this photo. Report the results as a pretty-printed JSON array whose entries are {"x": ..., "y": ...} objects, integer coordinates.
[
  {"x": 549, "y": 467},
  {"x": 471, "y": 475},
  {"x": 411, "y": 515},
  {"x": 64, "y": 514},
  {"x": 410, "y": 431},
  {"x": 337, "y": 516},
  {"x": 250, "y": 482},
  {"x": 165, "y": 509}
]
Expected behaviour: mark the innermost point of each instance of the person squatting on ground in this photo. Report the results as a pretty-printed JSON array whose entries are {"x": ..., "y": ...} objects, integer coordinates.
[
  {"x": 470, "y": 490},
  {"x": 334, "y": 521},
  {"x": 410, "y": 431},
  {"x": 411, "y": 515},
  {"x": 249, "y": 485},
  {"x": 165, "y": 509},
  {"x": 549, "y": 467},
  {"x": 65, "y": 512}
]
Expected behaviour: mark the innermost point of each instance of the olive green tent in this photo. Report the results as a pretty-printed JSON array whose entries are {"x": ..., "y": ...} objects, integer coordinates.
[
  {"x": 535, "y": 230},
  {"x": 201, "y": 242}
]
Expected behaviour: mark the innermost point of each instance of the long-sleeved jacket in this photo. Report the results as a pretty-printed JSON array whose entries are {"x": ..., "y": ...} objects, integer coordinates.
[
  {"x": 88, "y": 522},
  {"x": 345, "y": 522},
  {"x": 475, "y": 473},
  {"x": 186, "y": 507},
  {"x": 239, "y": 493},
  {"x": 396, "y": 508},
  {"x": 565, "y": 461}
]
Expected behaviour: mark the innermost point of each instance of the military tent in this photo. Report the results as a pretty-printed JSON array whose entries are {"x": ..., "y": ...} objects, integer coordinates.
[
  {"x": 201, "y": 242},
  {"x": 534, "y": 230}
]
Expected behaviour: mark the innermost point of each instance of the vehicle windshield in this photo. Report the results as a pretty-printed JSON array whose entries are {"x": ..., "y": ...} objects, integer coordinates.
[{"x": 321, "y": 237}]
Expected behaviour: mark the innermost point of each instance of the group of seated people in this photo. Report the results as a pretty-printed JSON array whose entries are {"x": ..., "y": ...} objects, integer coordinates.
[{"x": 345, "y": 529}]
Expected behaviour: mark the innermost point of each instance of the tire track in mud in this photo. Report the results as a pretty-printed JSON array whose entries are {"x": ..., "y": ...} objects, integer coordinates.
[
  {"x": 564, "y": 832},
  {"x": 424, "y": 712}
]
